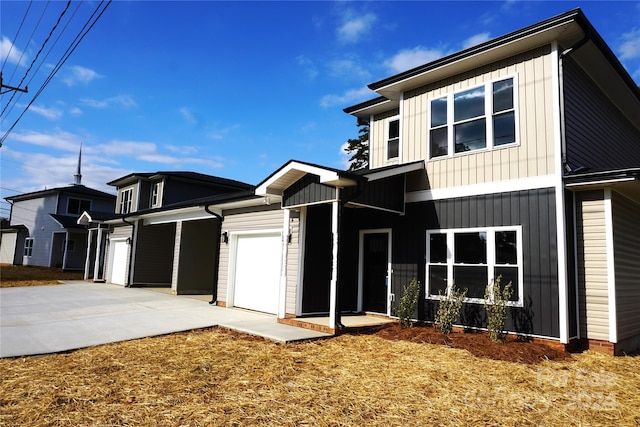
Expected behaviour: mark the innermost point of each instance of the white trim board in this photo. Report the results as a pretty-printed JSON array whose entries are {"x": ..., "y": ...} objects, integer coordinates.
[{"x": 545, "y": 181}]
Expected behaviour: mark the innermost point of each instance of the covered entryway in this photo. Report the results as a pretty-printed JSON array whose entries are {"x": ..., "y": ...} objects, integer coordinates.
[
  {"x": 118, "y": 262},
  {"x": 375, "y": 250},
  {"x": 257, "y": 271}
]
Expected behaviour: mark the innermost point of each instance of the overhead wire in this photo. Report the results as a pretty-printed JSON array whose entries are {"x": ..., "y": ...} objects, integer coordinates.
[
  {"x": 15, "y": 38},
  {"x": 38, "y": 54},
  {"x": 83, "y": 32}
]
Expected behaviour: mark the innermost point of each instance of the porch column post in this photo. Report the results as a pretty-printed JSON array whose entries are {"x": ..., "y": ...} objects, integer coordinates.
[
  {"x": 87, "y": 260},
  {"x": 64, "y": 250},
  {"x": 334, "y": 308},
  {"x": 282, "y": 294},
  {"x": 96, "y": 265},
  {"x": 177, "y": 242}
]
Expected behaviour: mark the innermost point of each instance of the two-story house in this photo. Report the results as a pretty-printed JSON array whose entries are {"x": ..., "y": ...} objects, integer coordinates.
[
  {"x": 518, "y": 158},
  {"x": 138, "y": 244},
  {"x": 43, "y": 227}
]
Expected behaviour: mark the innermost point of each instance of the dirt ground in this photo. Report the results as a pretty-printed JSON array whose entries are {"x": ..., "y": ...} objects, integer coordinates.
[{"x": 19, "y": 275}]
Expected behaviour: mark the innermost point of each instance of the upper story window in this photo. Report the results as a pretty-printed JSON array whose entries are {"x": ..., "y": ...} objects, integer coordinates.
[
  {"x": 473, "y": 259},
  {"x": 393, "y": 138},
  {"x": 474, "y": 119},
  {"x": 155, "y": 194},
  {"x": 77, "y": 206},
  {"x": 126, "y": 200}
]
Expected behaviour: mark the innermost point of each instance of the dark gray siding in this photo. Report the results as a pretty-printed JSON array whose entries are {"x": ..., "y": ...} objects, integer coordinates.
[
  {"x": 385, "y": 193},
  {"x": 598, "y": 135},
  {"x": 307, "y": 190},
  {"x": 154, "y": 255},
  {"x": 534, "y": 210}
]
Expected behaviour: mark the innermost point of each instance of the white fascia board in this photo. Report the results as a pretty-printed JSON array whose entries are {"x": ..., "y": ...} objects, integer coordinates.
[
  {"x": 186, "y": 214},
  {"x": 406, "y": 168},
  {"x": 545, "y": 181},
  {"x": 604, "y": 182},
  {"x": 84, "y": 219},
  {"x": 271, "y": 187}
]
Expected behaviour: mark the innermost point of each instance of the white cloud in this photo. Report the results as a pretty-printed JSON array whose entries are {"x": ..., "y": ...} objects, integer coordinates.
[
  {"x": 222, "y": 133},
  {"x": 348, "y": 69},
  {"x": 58, "y": 140},
  {"x": 124, "y": 101},
  {"x": 410, "y": 58},
  {"x": 308, "y": 66},
  {"x": 344, "y": 157},
  {"x": 354, "y": 26},
  {"x": 630, "y": 46},
  {"x": 475, "y": 40},
  {"x": 75, "y": 111},
  {"x": 350, "y": 96},
  {"x": 47, "y": 113},
  {"x": 182, "y": 149},
  {"x": 80, "y": 75},
  {"x": 148, "y": 152},
  {"x": 11, "y": 52}
]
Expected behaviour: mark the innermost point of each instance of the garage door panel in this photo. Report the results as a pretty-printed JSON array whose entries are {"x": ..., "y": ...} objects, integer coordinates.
[
  {"x": 257, "y": 272},
  {"x": 119, "y": 264}
]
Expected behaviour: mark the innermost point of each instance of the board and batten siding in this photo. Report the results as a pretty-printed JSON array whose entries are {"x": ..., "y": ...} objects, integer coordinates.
[
  {"x": 534, "y": 156},
  {"x": 244, "y": 220},
  {"x": 626, "y": 237},
  {"x": 593, "y": 295}
]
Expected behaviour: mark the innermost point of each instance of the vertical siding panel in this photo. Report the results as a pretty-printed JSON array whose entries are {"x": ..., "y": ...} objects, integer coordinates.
[
  {"x": 626, "y": 236},
  {"x": 292, "y": 266}
]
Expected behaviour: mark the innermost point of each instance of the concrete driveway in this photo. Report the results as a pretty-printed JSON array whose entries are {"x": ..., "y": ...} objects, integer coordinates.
[{"x": 50, "y": 319}]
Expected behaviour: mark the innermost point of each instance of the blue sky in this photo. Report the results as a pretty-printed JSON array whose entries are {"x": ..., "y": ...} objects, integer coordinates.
[{"x": 233, "y": 89}]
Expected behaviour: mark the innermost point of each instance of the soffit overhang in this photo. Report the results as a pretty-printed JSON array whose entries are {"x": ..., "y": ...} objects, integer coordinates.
[{"x": 291, "y": 172}]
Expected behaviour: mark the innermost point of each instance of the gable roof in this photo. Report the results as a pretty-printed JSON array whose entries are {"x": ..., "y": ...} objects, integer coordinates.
[
  {"x": 568, "y": 29},
  {"x": 80, "y": 190}
]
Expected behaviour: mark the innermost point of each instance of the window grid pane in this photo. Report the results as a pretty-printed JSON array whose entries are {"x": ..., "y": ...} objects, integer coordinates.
[
  {"x": 468, "y": 104},
  {"x": 470, "y": 136},
  {"x": 438, "y": 112},
  {"x": 503, "y": 95}
]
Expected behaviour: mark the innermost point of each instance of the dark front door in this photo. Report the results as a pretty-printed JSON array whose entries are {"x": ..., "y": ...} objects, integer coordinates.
[
  {"x": 375, "y": 259},
  {"x": 317, "y": 260}
]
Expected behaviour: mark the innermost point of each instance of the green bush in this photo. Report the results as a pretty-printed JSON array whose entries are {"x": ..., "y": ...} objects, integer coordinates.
[
  {"x": 449, "y": 309},
  {"x": 408, "y": 303},
  {"x": 495, "y": 304}
]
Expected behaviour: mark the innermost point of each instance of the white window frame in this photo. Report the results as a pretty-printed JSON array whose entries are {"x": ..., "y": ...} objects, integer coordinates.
[
  {"x": 488, "y": 118},
  {"x": 490, "y": 264},
  {"x": 28, "y": 247},
  {"x": 155, "y": 194},
  {"x": 126, "y": 202},
  {"x": 386, "y": 138}
]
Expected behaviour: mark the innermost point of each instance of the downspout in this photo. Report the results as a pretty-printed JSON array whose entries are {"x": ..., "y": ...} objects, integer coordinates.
[
  {"x": 214, "y": 290},
  {"x": 564, "y": 167},
  {"x": 131, "y": 257}
]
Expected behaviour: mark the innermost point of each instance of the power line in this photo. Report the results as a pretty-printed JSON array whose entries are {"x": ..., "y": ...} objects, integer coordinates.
[
  {"x": 83, "y": 32},
  {"x": 15, "y": 38}
]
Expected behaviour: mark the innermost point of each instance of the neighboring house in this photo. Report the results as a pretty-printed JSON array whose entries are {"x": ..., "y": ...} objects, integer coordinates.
[
  {"x": 137, "y": 243},
  {"x": 518, "y": 158},
  {"x": 43, "y": 227}
]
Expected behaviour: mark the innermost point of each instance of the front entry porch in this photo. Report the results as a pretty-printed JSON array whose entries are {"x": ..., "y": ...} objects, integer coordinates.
[{"x": 350, "y": 323}]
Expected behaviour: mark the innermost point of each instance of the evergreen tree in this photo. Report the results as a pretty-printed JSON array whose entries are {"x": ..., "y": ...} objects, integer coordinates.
[{"x": 358, "y": 149}]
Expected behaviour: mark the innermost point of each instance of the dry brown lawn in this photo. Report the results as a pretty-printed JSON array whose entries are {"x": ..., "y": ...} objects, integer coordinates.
[
  {"x": 218, "y": 377},
  {"x": 20, "y": 275}
]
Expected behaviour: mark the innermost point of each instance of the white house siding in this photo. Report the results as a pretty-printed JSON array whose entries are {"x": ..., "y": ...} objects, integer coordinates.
[
  {"x": 626, "y": 240},
  {"x": 534, "y": 156},
  {"x": 292, "y": 266},
  {"x": 36, "y": 211},
  {"x": 241, "y": 220},
  {"x": 592, "y": 265}
]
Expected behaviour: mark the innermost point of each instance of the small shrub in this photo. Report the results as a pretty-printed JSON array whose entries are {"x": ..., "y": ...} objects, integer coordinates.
[
  {"x": 408, "y": 303},
  {"x": 449, "y": 309},
  {"x": 495, "y": 304}
]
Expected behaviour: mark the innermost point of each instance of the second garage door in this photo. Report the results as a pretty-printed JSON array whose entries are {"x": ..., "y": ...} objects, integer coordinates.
[{"x": 257, "y": 272}]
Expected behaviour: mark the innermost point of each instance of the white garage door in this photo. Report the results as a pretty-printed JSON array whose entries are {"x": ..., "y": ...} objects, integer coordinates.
[
  {"x": 119, "y": 262},
  {"x": 257, "y": 272}
]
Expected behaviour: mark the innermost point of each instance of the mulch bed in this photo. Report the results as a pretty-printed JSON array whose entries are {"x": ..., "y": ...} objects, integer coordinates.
[{"x": 514, "y": 349}]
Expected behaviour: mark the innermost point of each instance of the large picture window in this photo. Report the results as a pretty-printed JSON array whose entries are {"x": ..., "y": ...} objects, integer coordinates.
[
  {"x": 472, "y": 259},
  {"x": 78, "y": 206},
  {"x": 474, "y": 119}
]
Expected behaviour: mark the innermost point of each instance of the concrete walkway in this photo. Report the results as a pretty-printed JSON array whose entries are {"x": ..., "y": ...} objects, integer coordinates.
[{"x": 50, "y": 319}]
